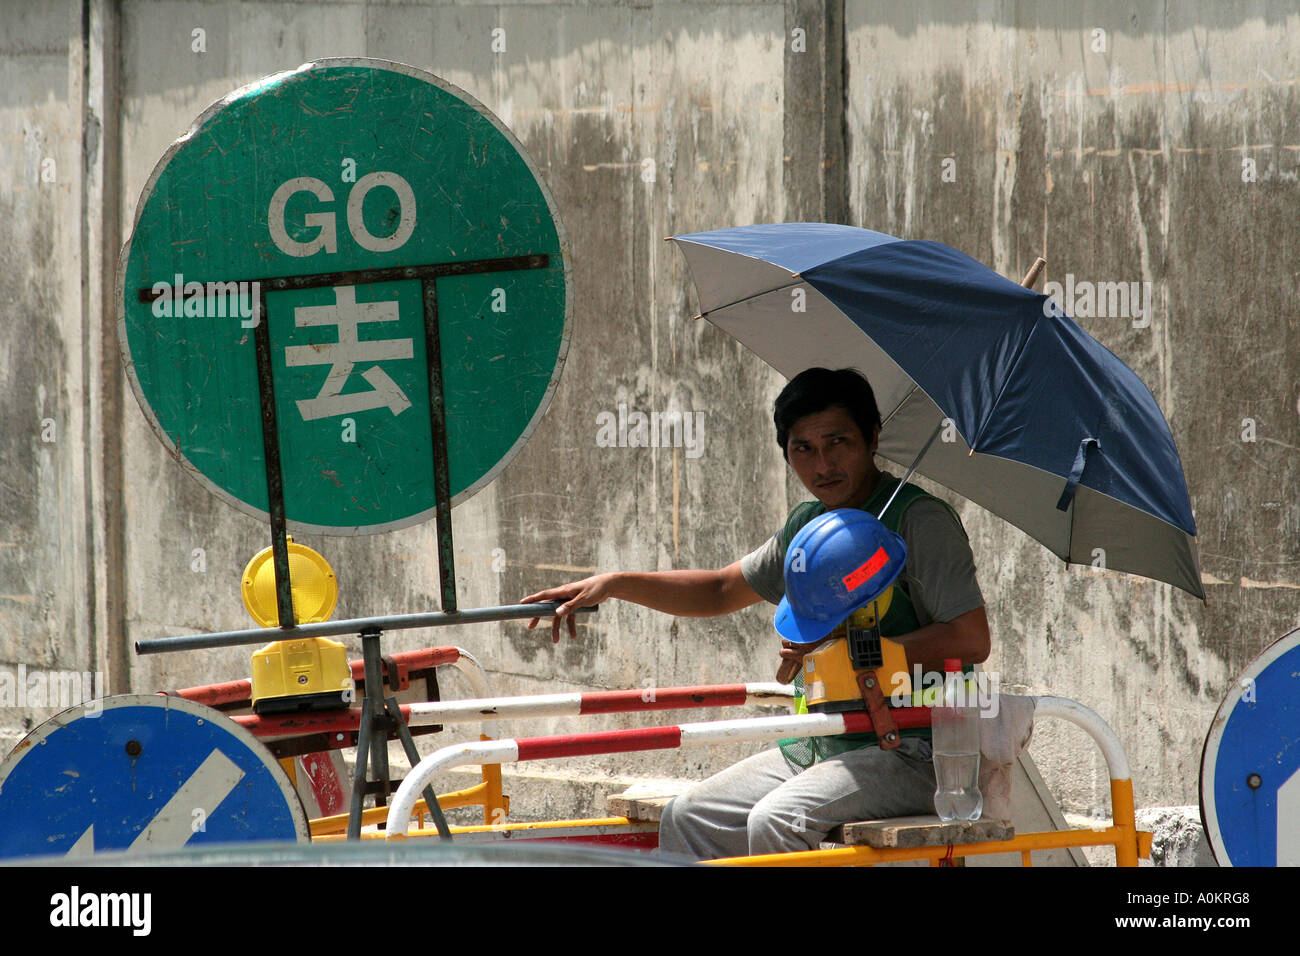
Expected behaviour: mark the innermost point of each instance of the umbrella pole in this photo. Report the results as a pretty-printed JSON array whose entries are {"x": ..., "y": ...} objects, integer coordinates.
[
  {"x": 1034, "y": 272},
  {"x": 916, "y": 461}
]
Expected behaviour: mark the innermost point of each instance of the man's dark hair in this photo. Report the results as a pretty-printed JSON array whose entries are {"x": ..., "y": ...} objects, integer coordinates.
[{"x": 817, "y": 389}]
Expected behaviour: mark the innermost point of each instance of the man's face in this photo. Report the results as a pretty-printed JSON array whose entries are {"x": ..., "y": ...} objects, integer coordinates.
[{"x": 832, "y": 458}]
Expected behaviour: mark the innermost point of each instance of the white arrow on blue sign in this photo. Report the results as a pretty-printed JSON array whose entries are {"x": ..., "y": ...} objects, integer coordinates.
[
  {"x": 142, "y": 773},
  {"x": 1250, "y": 767}
]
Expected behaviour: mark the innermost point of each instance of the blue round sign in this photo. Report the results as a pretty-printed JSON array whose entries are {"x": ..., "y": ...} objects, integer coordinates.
[
  {"x": 142, "y": 773},
  {"x": 1250, "y": 767}
]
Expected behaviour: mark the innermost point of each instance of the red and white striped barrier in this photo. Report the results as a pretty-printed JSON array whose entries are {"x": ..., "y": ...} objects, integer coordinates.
[
  {"x": 539, "y": 705},
  {"x": 510, "y": 750},
  {"x": 238, "y": 693}
]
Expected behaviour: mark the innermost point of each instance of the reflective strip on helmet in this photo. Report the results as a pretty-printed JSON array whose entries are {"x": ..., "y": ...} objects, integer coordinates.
[{"x": 866, "y": 572}]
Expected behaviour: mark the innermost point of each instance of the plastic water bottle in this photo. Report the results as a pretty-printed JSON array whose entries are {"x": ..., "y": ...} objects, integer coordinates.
[{"x": 956, "y": 744}]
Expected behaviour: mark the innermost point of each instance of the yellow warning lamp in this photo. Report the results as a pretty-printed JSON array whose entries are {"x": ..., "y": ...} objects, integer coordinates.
[
  {"x": 830, "y": 673},
  {"x": 304, "y": 673}
]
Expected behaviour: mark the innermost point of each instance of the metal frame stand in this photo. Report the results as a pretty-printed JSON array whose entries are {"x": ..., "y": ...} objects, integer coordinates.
[
  {"x": 372, "y": 742},
  {"x": 376, "y": 721}
]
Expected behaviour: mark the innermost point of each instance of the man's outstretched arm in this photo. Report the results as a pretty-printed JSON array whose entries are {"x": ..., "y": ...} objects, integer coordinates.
[{"x": 680, "y": 593}]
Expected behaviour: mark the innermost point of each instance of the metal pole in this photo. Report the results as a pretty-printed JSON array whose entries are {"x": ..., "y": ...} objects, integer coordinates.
[
  {"x": 374, "y": 671},
  {"x": 271, "y": 461},
  {"x": 352, "y": 626},
  {"x": 916, "y": 461},
  {"x": 438, "y": 444},
  {"x": 359, "y": 772},
  {"x": 372, "y": 733}
]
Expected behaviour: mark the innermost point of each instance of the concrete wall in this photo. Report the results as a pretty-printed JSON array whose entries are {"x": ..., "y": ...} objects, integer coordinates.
[{"x": 1119, "y": 163}]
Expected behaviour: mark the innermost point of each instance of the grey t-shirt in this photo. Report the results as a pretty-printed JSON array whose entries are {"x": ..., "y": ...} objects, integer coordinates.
[{"x": 939, "y": 574}]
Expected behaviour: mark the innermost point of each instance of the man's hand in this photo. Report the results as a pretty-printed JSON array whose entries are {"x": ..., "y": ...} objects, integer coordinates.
[
  {"x": 792, "y": 656},
  {"x": 584, "y": 593}
]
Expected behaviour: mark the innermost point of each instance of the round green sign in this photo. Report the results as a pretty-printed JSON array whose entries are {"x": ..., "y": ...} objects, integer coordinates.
[{"x": 371, "y": 216}]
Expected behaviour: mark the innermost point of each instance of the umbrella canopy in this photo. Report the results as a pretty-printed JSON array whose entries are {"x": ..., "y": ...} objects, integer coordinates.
[{"x": 1052, "y": 432}]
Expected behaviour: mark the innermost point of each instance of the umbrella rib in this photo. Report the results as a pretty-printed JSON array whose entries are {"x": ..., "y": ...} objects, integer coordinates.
[
  {"x": 899, "y": 407},
  {"x": 748, "y": 298}
]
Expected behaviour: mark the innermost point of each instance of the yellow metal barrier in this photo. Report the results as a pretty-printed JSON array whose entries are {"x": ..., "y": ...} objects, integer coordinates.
[
  {"x": 1130, "y": 844},
  {"x": 496, "y": 805},
  {"x": 430, "y": 833}
]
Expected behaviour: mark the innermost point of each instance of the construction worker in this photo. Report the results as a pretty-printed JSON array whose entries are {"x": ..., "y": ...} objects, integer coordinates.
[{"x": 828, "y": 427}]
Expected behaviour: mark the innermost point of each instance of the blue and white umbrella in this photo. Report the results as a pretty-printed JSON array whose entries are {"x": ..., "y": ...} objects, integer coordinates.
[{"x": 1053, "y": 433}]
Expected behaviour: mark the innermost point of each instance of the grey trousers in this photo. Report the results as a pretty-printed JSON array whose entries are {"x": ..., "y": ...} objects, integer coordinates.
[{"x": 766, "y": 805}]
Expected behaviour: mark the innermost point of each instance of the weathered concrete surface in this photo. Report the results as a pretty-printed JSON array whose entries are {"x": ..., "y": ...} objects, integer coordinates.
[
  {"x": 1122, "y": 165},
  {"x": 47, "y": 360}
]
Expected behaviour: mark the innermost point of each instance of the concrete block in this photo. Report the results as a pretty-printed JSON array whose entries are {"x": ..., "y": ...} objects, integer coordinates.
[{"x": 1178, "y": 837}]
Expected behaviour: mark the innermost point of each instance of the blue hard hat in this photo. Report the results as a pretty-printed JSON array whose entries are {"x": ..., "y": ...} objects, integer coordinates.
[{"x": 837, "y": 563}]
